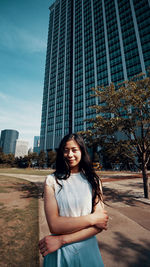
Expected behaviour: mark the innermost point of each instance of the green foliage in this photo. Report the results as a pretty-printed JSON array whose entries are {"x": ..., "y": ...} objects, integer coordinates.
[
  {"x": 27, "y": 161},
  {"x": 125, "y": 108},
  {"x": 51, "y": 157},
  {"x": 7, "y": 159},
  {"x": 118, "y": 152},
  {"x": 31, "y": 160},
  {"x": 2, "y": 157},
  {"x": 122, "y": 122},
  {"x": 41, "y": 161}
]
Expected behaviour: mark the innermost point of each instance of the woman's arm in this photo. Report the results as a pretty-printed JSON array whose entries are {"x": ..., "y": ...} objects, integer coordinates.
[
  {"x": 51, "y": 243},
  {"x": 62, "y": 225}
]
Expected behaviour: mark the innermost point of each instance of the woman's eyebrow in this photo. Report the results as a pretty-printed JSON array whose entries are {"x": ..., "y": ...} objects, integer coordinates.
[{"x": 71, "y": 147}]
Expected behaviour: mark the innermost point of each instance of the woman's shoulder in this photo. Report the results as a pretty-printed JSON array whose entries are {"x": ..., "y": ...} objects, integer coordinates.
[{"x": 50, "y": 180}]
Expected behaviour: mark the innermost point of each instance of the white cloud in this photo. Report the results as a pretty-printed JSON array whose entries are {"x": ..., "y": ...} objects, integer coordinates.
[
  {"x": 13, "y": 37},
  {"x": 21, "y": 115},
  {"x": 3, "y": 96}
]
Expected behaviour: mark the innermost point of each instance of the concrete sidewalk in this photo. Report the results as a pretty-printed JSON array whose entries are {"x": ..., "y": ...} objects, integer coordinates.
[{"x": 126, "y": 243}]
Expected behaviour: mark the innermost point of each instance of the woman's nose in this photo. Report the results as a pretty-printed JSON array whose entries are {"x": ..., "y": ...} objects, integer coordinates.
[{"x": 70, "y": 153}]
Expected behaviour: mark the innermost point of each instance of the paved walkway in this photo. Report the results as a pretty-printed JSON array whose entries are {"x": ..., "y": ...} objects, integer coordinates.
[{"x": 126, "y": 243}]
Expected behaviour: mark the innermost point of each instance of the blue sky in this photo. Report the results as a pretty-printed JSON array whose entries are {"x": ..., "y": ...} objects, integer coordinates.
[{"x": 23, "y": 39}]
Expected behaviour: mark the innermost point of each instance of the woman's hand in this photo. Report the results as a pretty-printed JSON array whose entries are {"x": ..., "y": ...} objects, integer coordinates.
[
  {"x": 49, "y": 244},
  {"x": 100, "y": 217}
]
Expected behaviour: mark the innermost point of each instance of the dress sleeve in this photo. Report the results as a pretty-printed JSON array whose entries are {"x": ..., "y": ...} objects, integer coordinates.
[{"x": 50, "y": 181}]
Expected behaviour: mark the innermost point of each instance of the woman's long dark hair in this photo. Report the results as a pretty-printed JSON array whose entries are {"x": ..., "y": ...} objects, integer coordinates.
[{"x": 63, "y": 170}]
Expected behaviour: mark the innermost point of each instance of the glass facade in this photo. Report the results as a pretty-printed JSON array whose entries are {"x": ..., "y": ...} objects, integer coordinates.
[
  {"x": 36, "y": 144},
  {"x": 8, "y": 141},
  {"x": 90, "y": 43}
]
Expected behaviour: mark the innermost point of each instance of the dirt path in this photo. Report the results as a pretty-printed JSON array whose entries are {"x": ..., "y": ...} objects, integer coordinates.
[
  {"x": 18, "y": 205},
  {"x": 39, "y": 181}
]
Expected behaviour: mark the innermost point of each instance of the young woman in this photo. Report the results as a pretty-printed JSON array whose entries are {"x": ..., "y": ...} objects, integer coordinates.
[{"x": 74, "y": 209}]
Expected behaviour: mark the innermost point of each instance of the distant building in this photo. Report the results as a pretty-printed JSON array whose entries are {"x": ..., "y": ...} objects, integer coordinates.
[
  {"x": 30, "y": 150},
  {"x": 21, "y": 148},
  {"x": 8, "y": 141},
  {"x": 90, "y": 43},
  {"x": 36, "y": 145}
]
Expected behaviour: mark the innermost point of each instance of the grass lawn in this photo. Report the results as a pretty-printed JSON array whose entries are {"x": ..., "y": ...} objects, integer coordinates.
[
  {"x": 19, "y": 233},
  {"x": 44, "y": 172},
  {"x": 29, "y": 171}
]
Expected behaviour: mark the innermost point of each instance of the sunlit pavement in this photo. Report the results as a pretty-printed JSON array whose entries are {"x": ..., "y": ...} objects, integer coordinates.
[{"x": 126, "y": 243}]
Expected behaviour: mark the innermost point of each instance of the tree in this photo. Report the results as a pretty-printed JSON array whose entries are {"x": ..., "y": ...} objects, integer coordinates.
[
  {"x": 51, "y": 157},
  {"x": 10, "y": 159},
  {"x": 117, "y": 155},
  {"x": 41, "y": 159},
  {"x": 22, "y": 162},
  {"x": 2, "y": 156},
  {"x": 6, "y": 159},
  {"x": 32, "y": 159},
  {"x": 124, "y": 113}
]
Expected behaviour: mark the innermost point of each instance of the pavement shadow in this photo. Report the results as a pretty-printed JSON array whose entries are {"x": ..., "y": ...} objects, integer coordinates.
[
  {"x": 30, "y": 190},
  {"x": 113, "y": 195},
  {"x": 126, "y": 251},
  {"x": 134, "y": 185}
]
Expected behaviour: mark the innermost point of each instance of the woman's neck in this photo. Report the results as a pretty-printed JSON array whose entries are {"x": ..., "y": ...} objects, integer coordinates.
[{"x": 75, "y": 170}]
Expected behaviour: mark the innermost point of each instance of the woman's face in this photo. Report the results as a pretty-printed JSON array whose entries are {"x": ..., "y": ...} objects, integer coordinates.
[{"x": 72, "y": 153}]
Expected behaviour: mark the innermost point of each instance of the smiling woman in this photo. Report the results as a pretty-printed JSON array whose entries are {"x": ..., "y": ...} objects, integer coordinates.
[
  {"x": 72, "y": 154},
  {"x": 74, "y": 209}
]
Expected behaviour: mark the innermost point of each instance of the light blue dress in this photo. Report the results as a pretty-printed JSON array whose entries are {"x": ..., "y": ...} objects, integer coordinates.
[{"x": 74, "y": 199}]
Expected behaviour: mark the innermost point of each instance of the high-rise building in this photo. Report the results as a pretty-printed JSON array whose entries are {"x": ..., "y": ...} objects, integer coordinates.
[
  {"x": 90, "y": 43},
  {"x": 8, "y": 141},
  {"x": 21, "y": 149},
  {"x": 36, "y": 145}
]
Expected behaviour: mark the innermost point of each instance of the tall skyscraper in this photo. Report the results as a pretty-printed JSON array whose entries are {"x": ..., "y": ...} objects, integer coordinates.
[
  {"x": 36, "y": 145},
  {"x": 8, "y": 141},
  {"x": 90, "y": 43}
]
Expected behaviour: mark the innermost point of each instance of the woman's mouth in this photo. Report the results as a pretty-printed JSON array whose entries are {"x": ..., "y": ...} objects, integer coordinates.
[{"x": 71, "y": 160}]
